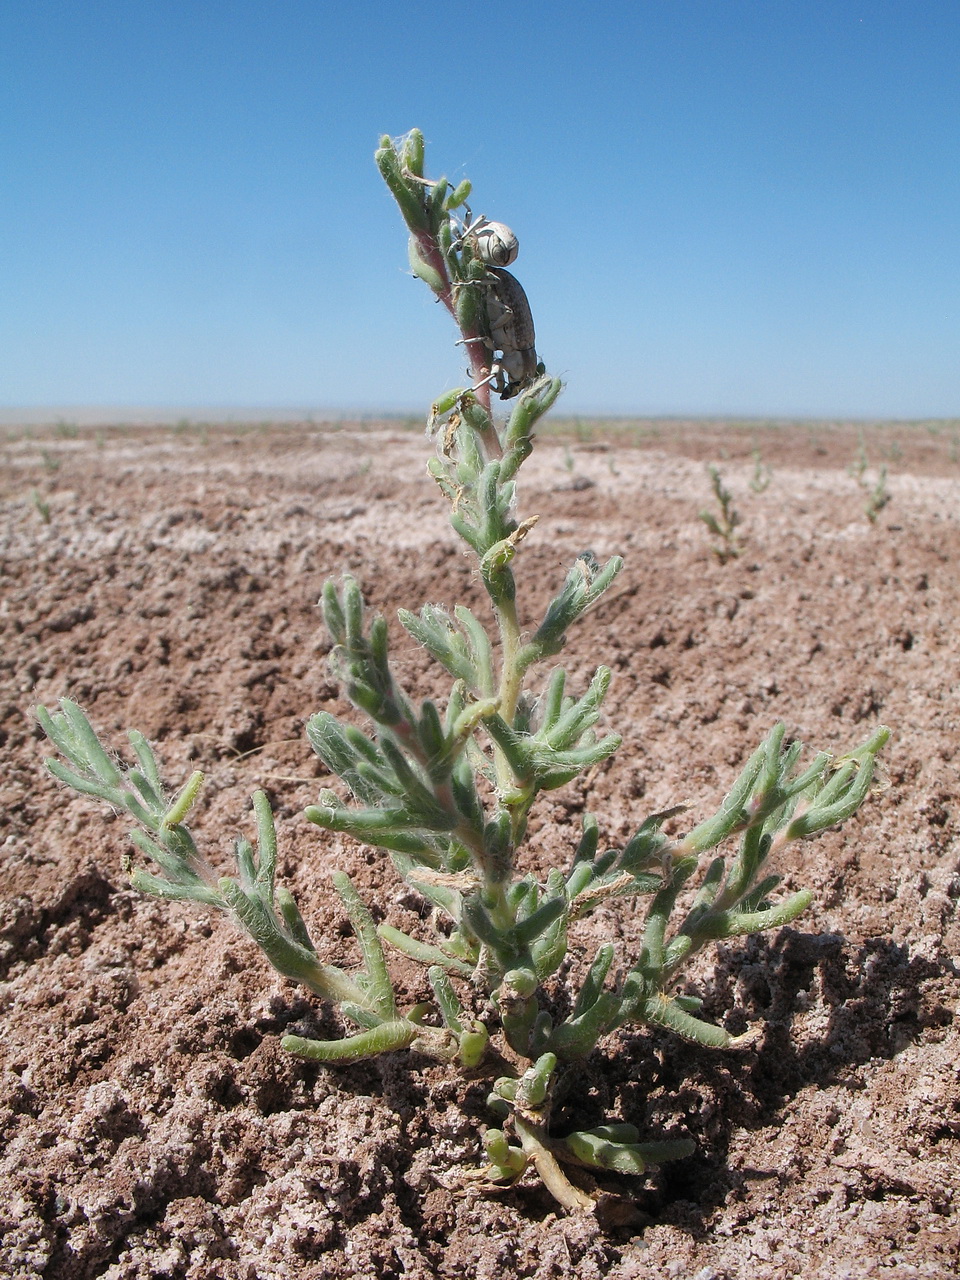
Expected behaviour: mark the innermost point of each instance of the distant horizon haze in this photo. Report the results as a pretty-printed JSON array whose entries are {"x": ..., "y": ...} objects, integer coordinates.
[{"x": 225, "y": 415}]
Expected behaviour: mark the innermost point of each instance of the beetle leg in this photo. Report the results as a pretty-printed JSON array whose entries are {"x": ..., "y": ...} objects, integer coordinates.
[{"x": 497, "y": 379}]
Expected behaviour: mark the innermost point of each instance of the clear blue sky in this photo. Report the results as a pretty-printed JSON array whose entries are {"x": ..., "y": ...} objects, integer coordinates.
[{"x": 724, "y": 206}]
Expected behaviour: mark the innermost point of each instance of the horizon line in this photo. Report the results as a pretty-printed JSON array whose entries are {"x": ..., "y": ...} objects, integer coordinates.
[{"x": 172, "y": 414}]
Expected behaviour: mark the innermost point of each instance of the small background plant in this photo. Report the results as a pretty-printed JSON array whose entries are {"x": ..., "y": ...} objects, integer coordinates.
[
  {"x": 875, "y": 491},
  {"x": 40, "y": 505},
  {"x": 724, "y": 520},
  {"x": 762, "y": 475},
  {"x": 445, "y": 790}
]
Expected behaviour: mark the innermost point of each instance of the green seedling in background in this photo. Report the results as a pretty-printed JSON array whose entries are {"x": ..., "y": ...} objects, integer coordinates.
[
  {"x": 762, "y": 475},
  {"x": 876, "y": 495},
  {"x": 724, "y": 521},
  {"x": 444, "y": 789},
  {"x": 41, "y": 505}
]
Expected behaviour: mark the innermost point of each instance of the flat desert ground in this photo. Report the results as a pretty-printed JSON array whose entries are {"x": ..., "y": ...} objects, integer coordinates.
[{"x": 167, "y": 580}]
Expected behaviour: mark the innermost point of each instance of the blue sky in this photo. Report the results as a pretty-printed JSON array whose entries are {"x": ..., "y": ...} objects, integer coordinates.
[{"x": 724, "y": 206}]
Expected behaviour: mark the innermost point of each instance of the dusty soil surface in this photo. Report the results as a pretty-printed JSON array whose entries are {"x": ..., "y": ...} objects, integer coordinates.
[{"x": 167, "y": 580}]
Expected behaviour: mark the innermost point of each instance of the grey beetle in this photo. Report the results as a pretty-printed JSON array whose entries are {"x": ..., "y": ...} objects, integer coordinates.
[
  {"x": 492, "y": 242},
  {"x": 510, "y": 331}
]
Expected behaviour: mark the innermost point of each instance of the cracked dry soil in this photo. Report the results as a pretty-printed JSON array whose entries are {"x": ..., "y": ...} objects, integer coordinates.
[{"x": 152, "y": 1128}]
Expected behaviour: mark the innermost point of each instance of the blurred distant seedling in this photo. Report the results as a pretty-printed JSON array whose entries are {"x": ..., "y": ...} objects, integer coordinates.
[
  {"x": 762, "y": 475},
  {"x": 724, "y": 520},
  {"x": 444, "y": 789},
  {"x": 40, "y": 504},
  {"x": 876, "y": 495},
  {"x": 187, "y": 427}
]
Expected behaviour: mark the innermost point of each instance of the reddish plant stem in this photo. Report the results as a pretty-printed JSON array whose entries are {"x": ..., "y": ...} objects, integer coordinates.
[{"x": 477, "y": 354}]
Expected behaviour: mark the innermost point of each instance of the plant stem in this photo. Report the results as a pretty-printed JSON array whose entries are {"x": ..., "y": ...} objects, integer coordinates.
[
  {"x": 533, "y": 1140},
  {"x": 477, "y": 354}
]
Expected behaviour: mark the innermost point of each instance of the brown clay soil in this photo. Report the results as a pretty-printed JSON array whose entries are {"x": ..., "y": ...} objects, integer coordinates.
[{"x": 151, "y": 1126}]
